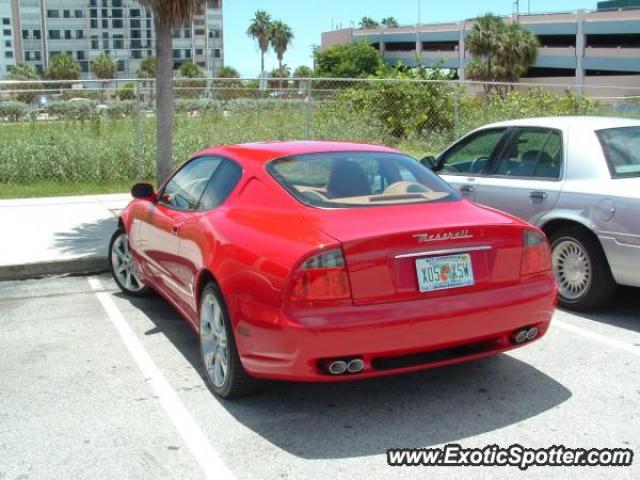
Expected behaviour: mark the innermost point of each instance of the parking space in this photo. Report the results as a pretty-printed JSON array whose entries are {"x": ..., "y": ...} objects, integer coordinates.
[{"x": 97, "y": 385}]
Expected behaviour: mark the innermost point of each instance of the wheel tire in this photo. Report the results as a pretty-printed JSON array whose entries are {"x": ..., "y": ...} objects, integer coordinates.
[
  {"x": 601, "y": 286},
  {"x": 237, "y": 382},
  {"x": 141, "y": 292}
]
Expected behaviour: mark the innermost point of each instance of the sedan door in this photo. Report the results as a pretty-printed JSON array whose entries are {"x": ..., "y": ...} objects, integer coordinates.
[
  {"x": 525, "y": 179},
  {"x": 467, "y": 160}
]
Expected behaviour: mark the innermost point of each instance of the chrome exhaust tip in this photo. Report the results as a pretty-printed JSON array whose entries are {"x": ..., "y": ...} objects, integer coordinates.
[
  {"x": 532, "y": 333},
  {"x": 356, "y": 365},
  {"x": 337, "y": 367},
  {"x": 521, "y": 336}
]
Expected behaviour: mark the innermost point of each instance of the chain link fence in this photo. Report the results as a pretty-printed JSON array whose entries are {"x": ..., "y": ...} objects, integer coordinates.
[{"x": 89, "y": 137}]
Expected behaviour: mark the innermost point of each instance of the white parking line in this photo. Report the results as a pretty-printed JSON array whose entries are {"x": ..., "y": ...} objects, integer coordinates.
[
  {"x": 211, "y": 463},
  {"x": 627, "y": 347}
]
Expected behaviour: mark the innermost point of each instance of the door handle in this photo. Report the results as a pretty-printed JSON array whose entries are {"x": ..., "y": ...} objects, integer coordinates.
[
  {"x": 468, "y": 188},
  {"x": 538, "y": 195}
]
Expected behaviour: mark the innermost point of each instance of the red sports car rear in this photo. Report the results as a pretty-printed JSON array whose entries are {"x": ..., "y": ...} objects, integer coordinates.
[{"x": 330, "y": 261}]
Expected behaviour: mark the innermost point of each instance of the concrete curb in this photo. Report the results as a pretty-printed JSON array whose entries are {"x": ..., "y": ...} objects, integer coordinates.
[{"x": 77, "y": 266}]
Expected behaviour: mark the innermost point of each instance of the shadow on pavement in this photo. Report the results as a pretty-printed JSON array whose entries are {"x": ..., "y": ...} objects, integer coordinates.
[
  {"x": 623, "y": 311},
  {"x": 87, "y": 239},
  {"x": 342, "y": 420}
]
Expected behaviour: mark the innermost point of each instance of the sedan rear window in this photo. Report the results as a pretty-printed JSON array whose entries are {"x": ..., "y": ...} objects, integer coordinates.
[
  {"x": 621, "y": 148},
  {"x": 357, "y": 179}
]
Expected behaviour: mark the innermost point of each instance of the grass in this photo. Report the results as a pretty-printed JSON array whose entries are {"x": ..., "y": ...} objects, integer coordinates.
[{"x": 56, "y": 189}]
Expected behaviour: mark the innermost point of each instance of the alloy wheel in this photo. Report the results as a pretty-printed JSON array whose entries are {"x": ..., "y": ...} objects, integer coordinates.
[
  {"x": 123, "y": 267},
  {"x": 572, "y": 268},
  {"x": 213, "y": 340}
]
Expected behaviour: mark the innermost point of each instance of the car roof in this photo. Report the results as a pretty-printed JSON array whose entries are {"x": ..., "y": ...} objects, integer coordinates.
[
  {"x": 563, "y": 123},
  {"x": 266, "y": 151}
]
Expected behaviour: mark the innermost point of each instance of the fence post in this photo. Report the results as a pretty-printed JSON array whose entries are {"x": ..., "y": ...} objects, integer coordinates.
[
  {"x": 309, "y": 110},
  {"x": 456, "y": 111},
  {"x": 138, "y": 133}
]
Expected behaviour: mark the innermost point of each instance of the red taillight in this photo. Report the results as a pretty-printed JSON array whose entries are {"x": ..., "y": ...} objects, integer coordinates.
[
  {"x": 321, "y": 277},
  {"x": 536, "y": 256}
]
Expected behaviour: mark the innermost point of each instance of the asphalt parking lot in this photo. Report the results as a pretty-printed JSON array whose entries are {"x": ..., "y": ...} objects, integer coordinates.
[{"x": 97, "y": 385}]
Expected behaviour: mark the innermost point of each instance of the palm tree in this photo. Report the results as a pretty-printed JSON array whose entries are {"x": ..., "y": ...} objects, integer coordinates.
[
  {"x": 167, "y": 14},
  {"x": 389, "y": 22},
  {"x": 104, "y": 68},
  {"x": 146, "y": 70},
  {"x": 63, "y": 67},
  {"x": 260, "y": 30},
  {"x": 517, "y": 51},
  {"x": 22, "y": 72},
  {"x": 482, "y": 42},
  {"x": 368, "y": 22},
  {"x": 281, "y": 37}
]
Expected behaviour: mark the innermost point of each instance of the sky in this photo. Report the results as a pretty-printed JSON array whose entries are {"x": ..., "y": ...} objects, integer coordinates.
[{"x": 309, "y": 18}]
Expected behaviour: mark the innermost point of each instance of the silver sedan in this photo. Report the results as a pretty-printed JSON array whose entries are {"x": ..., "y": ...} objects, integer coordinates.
[{"x": 578, "y": 178}]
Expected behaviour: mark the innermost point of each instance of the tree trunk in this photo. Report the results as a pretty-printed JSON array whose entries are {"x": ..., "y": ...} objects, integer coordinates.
[
  {"x": 261, "y": 63},
  {"x": 164, "y": 102}
]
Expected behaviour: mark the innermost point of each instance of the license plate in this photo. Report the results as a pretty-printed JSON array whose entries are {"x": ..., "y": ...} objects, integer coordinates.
[{"x": 438, "y": 273}]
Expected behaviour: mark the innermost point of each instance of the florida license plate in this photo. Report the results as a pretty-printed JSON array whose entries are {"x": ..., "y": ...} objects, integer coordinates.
[{"x": 438, "y": 273}]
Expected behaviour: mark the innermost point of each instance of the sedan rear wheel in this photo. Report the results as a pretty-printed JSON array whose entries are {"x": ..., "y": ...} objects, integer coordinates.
[
  {"x": 122, "y": 265},
  {"x": 220, "y": 358},
  {"x": 581, "y": 270}
]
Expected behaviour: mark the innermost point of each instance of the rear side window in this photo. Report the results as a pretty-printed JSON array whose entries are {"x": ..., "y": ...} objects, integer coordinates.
[
  {"x": 223, "y": 181},
  {"x": 621, "y": 147},
  {"x": 532, "y": 153},
  {"x": 358, "y": 179}
]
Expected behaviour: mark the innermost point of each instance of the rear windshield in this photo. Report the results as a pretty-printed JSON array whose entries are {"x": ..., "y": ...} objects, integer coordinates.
[
  {"x": 621, "y": 148},
  {"x": 358, "y": 179}
]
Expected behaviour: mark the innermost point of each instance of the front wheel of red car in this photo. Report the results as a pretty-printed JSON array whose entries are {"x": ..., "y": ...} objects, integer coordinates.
[
  {"x": 122, "y": 266},
  {"x": 225, "y": 374}
]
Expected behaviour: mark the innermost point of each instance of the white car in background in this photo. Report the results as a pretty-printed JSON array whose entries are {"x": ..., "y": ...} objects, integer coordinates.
[{"x": 577, "y": 178}]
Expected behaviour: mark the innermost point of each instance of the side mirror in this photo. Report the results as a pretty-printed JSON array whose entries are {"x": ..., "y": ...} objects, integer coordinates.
[
  {"x": 430, "y": 162},
  {"x": 143, "y": 191}
]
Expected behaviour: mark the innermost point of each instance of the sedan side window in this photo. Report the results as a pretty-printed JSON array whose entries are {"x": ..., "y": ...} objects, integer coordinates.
[
  {"x": 532, "y": 152},
  {"x": 184, "y": 190},
  {"x": 471, "y": 155},
  {"x": 223, "y": 181}
]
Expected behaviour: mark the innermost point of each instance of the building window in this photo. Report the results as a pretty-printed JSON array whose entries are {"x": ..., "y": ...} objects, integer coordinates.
[
  {"x": 95, "y": 44},
  {"x": 53, "y": 14},
  {"x": 216, "y": 53},
  {"x": 78, "y": 14},
  {"x": 187, "y": 53},
  {"x": 121, "y": 65},
  {"x": 94, "y": 23},
  {"x": 80, "y": 55},
  {"x": 136, "y": 54},
  {"x": 8, "y": 54},
  {"x": 37, "y": 55},
  {"x": 135, "y": 23},
  {"x": 118, "y": 42},
  {"x": 7, "y": 43},
  {"x": 116, "y": 3},
  {"x": 199, "y": 31},
  {"x": 134, "y": 12},
  {"x": 66, "y": 13},
  {"x": 27, "y": 56},
  {"x": 36, "y": 34},
  {"x": 187, "y": 33},
  {"x": 199, "y": 51},
  {"x": 105, "y": 23},
  {"x": 105, "y": 12},
  {"x": 117, "y": 23},
  {"x": 93, "y": 13},
  {"x": 6, "y": 21},
  {"x": 116, "y": 12},
  {"x": 25, "y": 34},
  {"x": 54, "y": 34},
  {"x": 79, "y": 33},
  {"x": 176, "y": 53},
  {"x": 7, "y": 32}
]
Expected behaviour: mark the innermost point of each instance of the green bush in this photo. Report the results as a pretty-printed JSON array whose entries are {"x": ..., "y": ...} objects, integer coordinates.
[
  {"x": 71, "y": 110},
  {"x": 126, "y": 91},
  {"x": 122, "y": 108},
  {"x": 197, "y": 105},
  {"x": 13, "y": 111}
]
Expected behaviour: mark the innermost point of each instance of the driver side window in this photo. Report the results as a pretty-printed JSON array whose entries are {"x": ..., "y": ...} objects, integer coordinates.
[
  {"x": 184, "y": 190},
  {"x": 472, "y": 154}
]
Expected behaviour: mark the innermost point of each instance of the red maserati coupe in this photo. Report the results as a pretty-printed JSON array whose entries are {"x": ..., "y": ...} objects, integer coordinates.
[{"x": 319, "y": 261}]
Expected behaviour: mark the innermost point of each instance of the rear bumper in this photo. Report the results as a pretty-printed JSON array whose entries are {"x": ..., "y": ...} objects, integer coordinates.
[{"x": 388, "y": 337}]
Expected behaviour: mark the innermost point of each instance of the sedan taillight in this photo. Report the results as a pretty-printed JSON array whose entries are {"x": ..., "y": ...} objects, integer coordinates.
[
  {"x": 321, "y": 277},
  {"x": 536, "y": 256}
]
